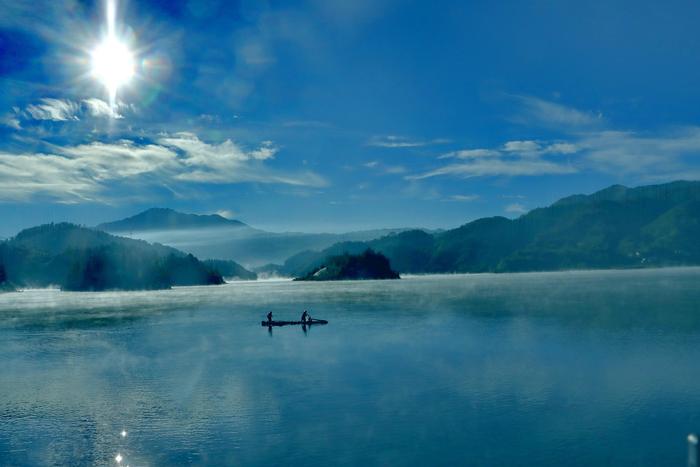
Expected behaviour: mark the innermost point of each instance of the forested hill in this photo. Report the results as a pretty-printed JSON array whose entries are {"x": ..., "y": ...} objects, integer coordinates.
[
  {"x": 78, "y": 258},
  {"x": 618, "y": 227}
]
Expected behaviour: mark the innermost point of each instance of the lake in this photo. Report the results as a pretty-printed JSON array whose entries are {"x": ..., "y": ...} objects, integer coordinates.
[{"x": 569, "y": 368}]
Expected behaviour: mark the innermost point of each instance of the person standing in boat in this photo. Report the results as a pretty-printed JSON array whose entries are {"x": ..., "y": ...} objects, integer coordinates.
[
  {"x": 305, "y": 317},
  {"x": 269, "y": 317}
]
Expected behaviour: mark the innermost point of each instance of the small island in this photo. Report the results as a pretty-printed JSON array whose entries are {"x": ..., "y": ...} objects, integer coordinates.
[{"x": 365, "y": 266}]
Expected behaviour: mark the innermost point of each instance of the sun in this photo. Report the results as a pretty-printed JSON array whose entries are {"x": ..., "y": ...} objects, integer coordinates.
[
  {"x": 112, "y": 61},
  {"x": 112, "y": 64}
]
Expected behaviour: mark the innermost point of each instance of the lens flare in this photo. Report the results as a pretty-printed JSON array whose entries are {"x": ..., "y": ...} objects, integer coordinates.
[{"x": 113, "y": 63}]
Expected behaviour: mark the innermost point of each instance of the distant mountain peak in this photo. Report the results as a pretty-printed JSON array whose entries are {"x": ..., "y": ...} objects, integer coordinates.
[{"x": 168, "y": 219}]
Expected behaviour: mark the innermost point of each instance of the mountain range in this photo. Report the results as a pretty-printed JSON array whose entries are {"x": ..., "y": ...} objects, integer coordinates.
[
  {"x": 215, "y": 237},
  {"x": 618, "y": 227}
]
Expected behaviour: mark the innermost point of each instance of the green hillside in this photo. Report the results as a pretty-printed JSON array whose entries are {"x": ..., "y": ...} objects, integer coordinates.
[
  {"x": 618, "y": 227},
  {"x": 78, "y": 258}
]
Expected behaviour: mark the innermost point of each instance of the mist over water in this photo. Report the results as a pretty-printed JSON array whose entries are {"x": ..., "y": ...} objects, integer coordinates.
[{"x": 574, "y": 368}]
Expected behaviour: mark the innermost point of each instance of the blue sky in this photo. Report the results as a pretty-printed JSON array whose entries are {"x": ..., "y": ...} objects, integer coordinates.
[{"x": 341, "y": 115}]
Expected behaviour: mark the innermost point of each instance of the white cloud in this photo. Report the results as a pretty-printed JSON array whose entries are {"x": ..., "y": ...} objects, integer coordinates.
[
  {"x": 395, "y": 169},
  {"x": 561, "y": 148},
  {"x": 498, "y": 167},
  {"x": 209, "y": 118},
  {"x": 227, "y": 162},
  {"x": 59, "y": 110},
  {"x": 537, "y": 148},
  {"x": 64, "y": 110},
  {"x": 386, "y": 169},
  {"x": 91, "y": 171},
  {"x": 10, "y": 120},
  {"x": 123, "y": 159},
  {"x": 512, "y": 159},
  {"x": 470, "y": 154},
  {"x": 655, "y": 156},
  {"x": 521, "y": 146},
  {"x": 515, "y": 208},
  {"x": 666, "y": 155},
  {"x": 23, "y": 176},
  {"x": 99, "y": 108},
  {"x": 393, "y": 141},
  {"x": 540, "y": 112},
  {"x": 463, "y": 198},
  {"x": 512, "y": 151}
]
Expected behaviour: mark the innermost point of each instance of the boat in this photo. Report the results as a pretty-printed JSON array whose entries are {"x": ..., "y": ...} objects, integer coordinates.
[{"x": 292, "y": 323}]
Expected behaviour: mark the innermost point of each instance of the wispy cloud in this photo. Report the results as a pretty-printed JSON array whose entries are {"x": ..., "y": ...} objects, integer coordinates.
[
  {"x": 663, "y": 155},
  {"x": 228, "y": 162},
  {"x": 498, "y": 167},
  {"x": 544, "y": 113},
  {"x": 10, "y": 120},
  {"x": 463, "y": 198},
  {"x": 66, "y": 110},
  {"x": 587, "y": 143},
  {"x": 99, "y": 108},
  {"x": 522, "y": 146},
  {"x": 384, "y": 168},
  {"x": 471, "y": 154},
  {"x": 395, "y": 169},
  {"x": 58, "y": 110},
  {"x": 25, "y": 176},
  {"x": 514, "y": 158},
  {"x": 393, "y": 141},
  {"x": 91, "y": 171},
  {"x": 538, "y": 148}
]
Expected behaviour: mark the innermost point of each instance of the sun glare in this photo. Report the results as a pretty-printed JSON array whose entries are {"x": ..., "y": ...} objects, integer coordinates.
[{"x": 112, "y": 61}]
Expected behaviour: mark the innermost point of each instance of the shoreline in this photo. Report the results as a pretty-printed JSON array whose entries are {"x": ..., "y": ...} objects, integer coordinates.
[{"x": 290, "y": 281}]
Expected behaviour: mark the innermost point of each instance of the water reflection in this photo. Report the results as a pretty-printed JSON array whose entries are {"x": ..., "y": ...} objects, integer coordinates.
[{"x": 445, "y": 371}]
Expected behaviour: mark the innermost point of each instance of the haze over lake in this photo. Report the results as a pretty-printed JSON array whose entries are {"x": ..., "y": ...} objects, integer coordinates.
[{"x": 575, "y": 368}]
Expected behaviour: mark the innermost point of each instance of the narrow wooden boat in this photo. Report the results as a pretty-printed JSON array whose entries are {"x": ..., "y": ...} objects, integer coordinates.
[{"x": 292, "y": 323}]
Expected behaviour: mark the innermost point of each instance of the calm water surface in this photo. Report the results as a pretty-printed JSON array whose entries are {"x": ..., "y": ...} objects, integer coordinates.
[{"x": 579, "y": 368}]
